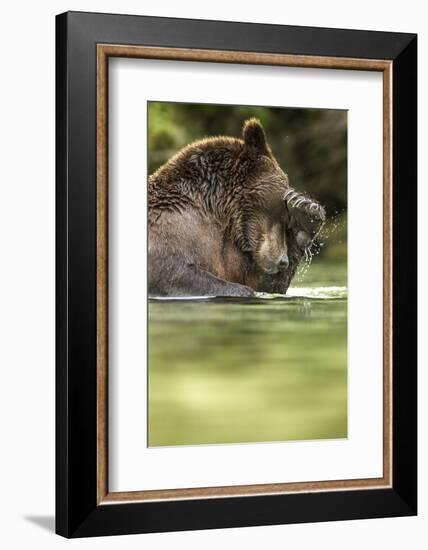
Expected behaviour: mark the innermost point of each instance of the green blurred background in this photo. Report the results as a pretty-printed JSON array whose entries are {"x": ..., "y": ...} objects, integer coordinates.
[{"x": 273, "y": 368}]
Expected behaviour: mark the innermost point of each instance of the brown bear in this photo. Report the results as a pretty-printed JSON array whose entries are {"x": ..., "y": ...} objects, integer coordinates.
[{"x": 224, "y": 221}]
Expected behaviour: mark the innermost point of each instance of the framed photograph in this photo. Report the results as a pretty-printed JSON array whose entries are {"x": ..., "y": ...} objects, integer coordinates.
[{"x": 236, "y": 274}]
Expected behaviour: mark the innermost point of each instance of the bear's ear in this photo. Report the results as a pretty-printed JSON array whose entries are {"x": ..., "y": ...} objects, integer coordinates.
[{"x": 254, "y": 136}]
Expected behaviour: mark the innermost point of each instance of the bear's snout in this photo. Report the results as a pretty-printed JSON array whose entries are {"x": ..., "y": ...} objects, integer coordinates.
[
  {"x": 271, "y": 261},
  {"x": 283, "y": 263}
]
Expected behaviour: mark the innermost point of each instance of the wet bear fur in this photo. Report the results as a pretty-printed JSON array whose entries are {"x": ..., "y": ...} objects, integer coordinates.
[{"x": 219, "y": 221}]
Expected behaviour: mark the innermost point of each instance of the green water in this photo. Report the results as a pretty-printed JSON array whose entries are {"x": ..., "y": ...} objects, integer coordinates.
[{"x": 238, "y": 370}]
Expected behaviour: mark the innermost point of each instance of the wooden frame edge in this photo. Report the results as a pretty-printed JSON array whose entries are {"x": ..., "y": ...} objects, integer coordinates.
[
  {"x": 387, "y": 275},
  {"x": 104, "y": 51},
  {"x": 241, "y": 57},
  {"x": 102, "y": 274}
]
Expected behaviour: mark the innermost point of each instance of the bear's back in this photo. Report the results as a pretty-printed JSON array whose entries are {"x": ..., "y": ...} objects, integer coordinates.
[{"x": 193, "y": 173}]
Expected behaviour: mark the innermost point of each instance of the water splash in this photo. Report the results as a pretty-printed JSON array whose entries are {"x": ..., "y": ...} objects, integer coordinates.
[
  {"x": 334, "y": 225},
  {"x": 312, "y": 250},
  {"x": 310, "y": 293}
]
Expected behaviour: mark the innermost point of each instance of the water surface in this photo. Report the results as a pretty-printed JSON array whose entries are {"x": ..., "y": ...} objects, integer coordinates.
[{"x": 271, "y": 368}]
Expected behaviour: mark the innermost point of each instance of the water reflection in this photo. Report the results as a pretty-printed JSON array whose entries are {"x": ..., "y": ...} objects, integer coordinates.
[{"x": 272, "y": 368}]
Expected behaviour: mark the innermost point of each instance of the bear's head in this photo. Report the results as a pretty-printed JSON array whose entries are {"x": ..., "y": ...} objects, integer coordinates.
[{"x": 276, "y": 223}]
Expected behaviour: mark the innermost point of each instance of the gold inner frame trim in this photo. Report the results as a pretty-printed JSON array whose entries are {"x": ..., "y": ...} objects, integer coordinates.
[{"x": 104, "y": 51}]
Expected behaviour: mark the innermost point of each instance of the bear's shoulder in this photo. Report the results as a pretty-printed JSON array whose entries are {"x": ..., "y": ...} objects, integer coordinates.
[{"x": 195, "y": 154}]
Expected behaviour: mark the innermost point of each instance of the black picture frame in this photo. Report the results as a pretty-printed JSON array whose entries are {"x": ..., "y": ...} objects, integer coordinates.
[{"x": 77, "y": 511}]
